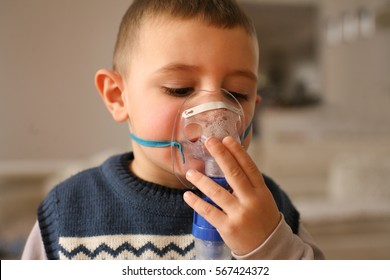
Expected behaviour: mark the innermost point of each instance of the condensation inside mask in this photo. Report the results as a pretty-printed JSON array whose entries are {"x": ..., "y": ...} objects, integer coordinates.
[{"x": 203, "y": 115}]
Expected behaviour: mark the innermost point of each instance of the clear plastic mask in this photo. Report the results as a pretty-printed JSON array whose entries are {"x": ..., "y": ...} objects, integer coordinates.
[{"x": 204, "y": 114}]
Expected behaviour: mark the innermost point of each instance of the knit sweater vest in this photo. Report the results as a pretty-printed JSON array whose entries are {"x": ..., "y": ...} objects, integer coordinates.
[{"x": 108, "y": 213}]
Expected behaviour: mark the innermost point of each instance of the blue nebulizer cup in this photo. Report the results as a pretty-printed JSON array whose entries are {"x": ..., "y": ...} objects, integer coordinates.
[
  {"x": 205, "y": 114},
  {"x": 208, "y": 243}
]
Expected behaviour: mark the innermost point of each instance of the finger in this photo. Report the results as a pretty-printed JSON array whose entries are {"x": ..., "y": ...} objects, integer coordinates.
[
  {"x": 211, "y": 213},
  {"x": 248, "y": 166},
  {"x": 231, "y": 168},
  {"x": 219, "y": 195}
]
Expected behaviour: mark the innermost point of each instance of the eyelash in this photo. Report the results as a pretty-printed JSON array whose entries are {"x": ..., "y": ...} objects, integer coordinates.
[
  {"x": 180, "y": 92},
  {"x": 185, "y": 91},
  {"x": 239, "y": 96}
]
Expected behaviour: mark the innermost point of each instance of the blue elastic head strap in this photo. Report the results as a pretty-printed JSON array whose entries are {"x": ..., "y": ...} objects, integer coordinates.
[
  {"x": 158, "y": 144},
  {"x": 162, "y": 144},
  {"x": 248, "y": 129}
]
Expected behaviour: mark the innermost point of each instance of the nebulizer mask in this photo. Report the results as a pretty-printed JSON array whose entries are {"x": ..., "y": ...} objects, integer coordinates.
[{"x": 203, "y": 114}]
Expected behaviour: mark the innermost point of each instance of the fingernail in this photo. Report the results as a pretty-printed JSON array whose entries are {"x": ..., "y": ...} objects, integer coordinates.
[
  {"x": 190, "y": 173},
  {"x": 211, "y": 141},
  {"x": 229, "y": 140},
  {"x": 188, "y": 195}
]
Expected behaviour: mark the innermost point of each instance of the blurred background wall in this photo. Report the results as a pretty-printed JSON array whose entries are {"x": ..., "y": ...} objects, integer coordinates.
[{"x": 322, "y": 131}]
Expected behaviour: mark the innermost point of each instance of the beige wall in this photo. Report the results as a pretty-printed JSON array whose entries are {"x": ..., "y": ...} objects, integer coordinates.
[
  {"x": 356, "y": 72},
  {"x": 49, "y": 53}
]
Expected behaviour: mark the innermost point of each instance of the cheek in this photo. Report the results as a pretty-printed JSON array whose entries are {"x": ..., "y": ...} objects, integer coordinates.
[
  {"x": 162, "y": 124},
  {"x": 153, "y": 122},
  {"x": 249, "y": 111},
  {"x": 245, "y": 143}
]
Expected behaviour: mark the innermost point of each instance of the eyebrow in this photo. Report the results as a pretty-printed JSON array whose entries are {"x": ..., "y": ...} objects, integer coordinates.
[
  {"x": 244, "y": 73},
  {"x": 178, "y": 67}
]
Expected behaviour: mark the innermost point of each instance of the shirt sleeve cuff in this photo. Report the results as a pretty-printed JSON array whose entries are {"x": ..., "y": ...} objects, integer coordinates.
[{"x": 282, "y": 244}]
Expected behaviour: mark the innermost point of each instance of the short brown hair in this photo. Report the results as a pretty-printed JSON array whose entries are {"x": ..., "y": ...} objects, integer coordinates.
[{"x": 218, "y": 13}]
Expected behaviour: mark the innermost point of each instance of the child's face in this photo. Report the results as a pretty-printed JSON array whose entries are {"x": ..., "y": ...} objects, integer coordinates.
[{"x": 175, "y": 56}]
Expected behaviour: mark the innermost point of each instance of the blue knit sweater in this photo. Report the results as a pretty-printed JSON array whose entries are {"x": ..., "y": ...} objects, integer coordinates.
[{"x": 108, "y": 213}]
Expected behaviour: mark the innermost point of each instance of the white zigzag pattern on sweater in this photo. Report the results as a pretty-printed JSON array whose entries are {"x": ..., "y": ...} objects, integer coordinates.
[{"x": 107, "y": 247}]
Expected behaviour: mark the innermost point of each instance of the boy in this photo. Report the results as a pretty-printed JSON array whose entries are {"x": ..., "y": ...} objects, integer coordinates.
[{"x": 133, "y": 206}]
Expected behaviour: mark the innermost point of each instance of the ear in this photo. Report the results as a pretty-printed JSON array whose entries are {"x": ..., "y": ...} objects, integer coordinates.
[
  {"x": 110, "y": 86},
  {"x": 258, "y": 99}
]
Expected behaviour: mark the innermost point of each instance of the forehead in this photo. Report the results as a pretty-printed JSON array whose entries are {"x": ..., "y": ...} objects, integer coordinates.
[{"x": 194, "y": 41}]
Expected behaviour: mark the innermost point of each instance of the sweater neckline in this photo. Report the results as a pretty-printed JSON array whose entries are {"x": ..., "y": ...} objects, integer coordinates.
[{"x": 144, "y": 195}]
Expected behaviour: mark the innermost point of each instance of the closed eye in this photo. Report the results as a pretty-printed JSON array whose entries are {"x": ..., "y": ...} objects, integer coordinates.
[
  {"x": 180, "y": 92},
  {"x": 239, "y": 95}
]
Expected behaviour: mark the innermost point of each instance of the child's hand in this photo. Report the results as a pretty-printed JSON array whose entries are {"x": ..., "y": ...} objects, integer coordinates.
[{"x": 249, "y": 214}]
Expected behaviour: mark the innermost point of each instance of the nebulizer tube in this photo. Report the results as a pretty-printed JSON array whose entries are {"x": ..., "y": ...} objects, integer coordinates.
[{"x": 205, "y": 114}]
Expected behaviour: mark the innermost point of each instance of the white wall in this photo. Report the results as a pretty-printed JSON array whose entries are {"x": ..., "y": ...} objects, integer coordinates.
[{"x": 49, "y": 53}]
